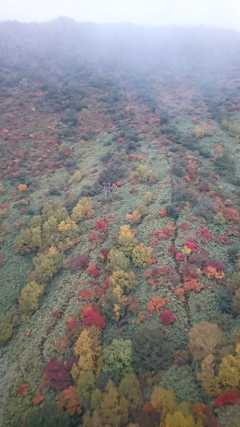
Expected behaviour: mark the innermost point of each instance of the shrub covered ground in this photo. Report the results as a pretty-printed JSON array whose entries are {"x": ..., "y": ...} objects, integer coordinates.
[{"x": 120, "y": 222}]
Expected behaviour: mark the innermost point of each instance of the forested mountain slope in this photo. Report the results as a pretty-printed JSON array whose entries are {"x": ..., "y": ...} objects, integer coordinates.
[{"x": 119, "y": 222}]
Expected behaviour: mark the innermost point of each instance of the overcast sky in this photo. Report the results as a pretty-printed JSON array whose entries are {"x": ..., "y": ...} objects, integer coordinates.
[{"x": 222, "y": 13}]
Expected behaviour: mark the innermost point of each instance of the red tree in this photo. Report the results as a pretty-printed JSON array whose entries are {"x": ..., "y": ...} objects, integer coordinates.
[
  {"x": 231, "y": 397},
  {"x": 101, "y": 225},
  {"x": 167, "y": 317},
  {"x": 91, "y": 316}
]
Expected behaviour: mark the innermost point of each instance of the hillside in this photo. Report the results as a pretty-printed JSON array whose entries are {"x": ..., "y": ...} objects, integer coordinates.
[{"x": 119, "y": 225}]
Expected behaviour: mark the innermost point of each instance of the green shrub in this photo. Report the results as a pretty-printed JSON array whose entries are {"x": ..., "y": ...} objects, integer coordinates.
[
  {"x": 182, "y": 382},
  {"x": 47, "y": 415},
  {"x": 143, "y": 174},
  {"x": 46, "y": 266},
  {"x": 29, "y": 297},
  {"x": 151, "y": 352},
  {"x": 118, "y": 357},
  {"x": 6, "y": 326}
]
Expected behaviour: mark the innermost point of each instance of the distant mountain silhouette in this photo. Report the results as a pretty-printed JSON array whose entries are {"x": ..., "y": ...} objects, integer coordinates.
[{"x": 170, "y": 45}]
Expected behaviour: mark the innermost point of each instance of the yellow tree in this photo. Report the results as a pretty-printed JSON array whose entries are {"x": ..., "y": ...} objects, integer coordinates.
[
  {"x": 229, "y": 371},
  {"x": 83, "y": 209},
  {"x": 125, "y": 279},
  {"x": 180, "y": 419},
  {"x": 29, "y": 297},
  {"x": 228, "y": 376},
  {"x": 204, "y": 339},
  {"x": 130, "y": 389},
  {"x": 113, "y": 409},
  {"x": 163, "y": 401},
  {"x": 208, "y": 378},
  {"x": 87, "y": 348},
  {"x": 126, "y": 240}
]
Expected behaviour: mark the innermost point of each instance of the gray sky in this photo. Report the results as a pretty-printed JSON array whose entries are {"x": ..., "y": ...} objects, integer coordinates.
[{"x": 222, "y": 13}]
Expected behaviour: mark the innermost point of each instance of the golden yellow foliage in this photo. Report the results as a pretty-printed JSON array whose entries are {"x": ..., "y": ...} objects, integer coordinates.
[
  {"x": 112, "y": 410},
  {"x": 78, "y": 176},
  {"x": 29, "y": 297},
  {"x": 210, "y": 382},
  {"x": 162, "y": 401},
  {"x": 134, "y": 217},
  {"x": 228, "y": 376},
  {"x": 204, "y": 339},
  {"x": 126, "y": 240},
  {"x": 142, "y": 256},
  {"x": 118, "y": 292},
  {"x": 87, "y": 348},
  {"x": 143, "y": 174},
  {"x": 84, "y": 209},
  {"x": 67, "y": 225},
  {"x": 116, "y": 310},
  {"x": 229, "y": 371},
  {"x": 125, "y": 279},
  {"x": 178, "y": 419}
]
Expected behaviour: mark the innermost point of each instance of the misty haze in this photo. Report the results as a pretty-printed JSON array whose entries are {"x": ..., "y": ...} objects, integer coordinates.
[{"x": 119, "y": 224}]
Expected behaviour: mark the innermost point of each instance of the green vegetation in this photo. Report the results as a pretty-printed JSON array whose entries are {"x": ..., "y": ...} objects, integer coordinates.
[{"x": 119, "y": 226}]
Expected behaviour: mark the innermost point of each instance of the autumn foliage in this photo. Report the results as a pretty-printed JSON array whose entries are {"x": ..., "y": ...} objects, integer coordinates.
[
  {"x": 91, "y": 316},
  {"x": 57, "y": 371},
  {"x": 156, "y": 304},
  {"x": 167, "y": 317},
  {"x": 204, "y": 339},
  {"x": 230, "y": 398},
  {"x": 93, "y": 271},
  {"x": 68, "y": 400},
  {"x": 162, "y": 299}
]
